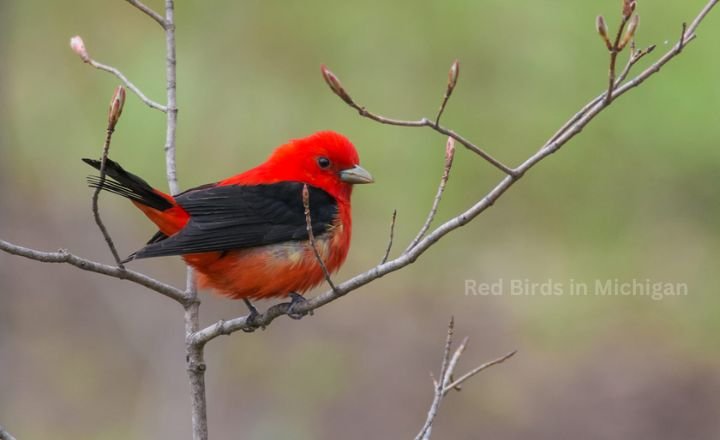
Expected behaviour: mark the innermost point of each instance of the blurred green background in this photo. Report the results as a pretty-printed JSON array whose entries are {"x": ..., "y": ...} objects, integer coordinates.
[{"x": 633, "y": 197}]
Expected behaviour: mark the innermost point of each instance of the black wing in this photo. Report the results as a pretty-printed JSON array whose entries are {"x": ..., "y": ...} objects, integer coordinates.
[{"x": 239, "y": 216}]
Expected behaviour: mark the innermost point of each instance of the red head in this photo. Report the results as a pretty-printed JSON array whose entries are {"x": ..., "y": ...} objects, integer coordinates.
[{"x": 326, "y": 160}]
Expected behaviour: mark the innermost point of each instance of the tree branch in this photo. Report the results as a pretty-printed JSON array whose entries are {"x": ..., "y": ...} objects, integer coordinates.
[
  {"x": 63, "y": 256},
  {"x": 444, "y": 383},
  {"x": 172, "y": 111},
  {"x": 149, "y": 12},
  {"x": 78, "y": 46}
]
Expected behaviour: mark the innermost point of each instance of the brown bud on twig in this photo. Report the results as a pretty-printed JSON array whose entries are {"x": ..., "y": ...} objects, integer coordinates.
[
  {"x": 116, "y": 107},
  {"x": 449, "y": 152},
  {"x": 335, "y": 85},
  {"x": 630, "y": 33},
  {"x": 78, "y": 46},
  {"x": 453, "y": 76},
  {"x": 602, "y": 30},
  {"x": 629, "y": 7}
]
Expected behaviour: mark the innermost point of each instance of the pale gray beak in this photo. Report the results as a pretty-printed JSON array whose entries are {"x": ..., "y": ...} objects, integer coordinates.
[{"x": 356, "y": 174}]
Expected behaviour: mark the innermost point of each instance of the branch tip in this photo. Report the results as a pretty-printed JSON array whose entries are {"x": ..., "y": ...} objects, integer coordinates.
[
  {"x": 630, "y": 33},
  {"x": 334, "y": 83},
  {"x": 116, "y": 107},
  {"x": 78, "y": 46},
  {"x": 628, "y": 7},
  {"x": 602, "y": 30}
]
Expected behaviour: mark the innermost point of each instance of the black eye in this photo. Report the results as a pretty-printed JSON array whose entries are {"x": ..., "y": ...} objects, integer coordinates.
[{"x": 323, "y": 162}]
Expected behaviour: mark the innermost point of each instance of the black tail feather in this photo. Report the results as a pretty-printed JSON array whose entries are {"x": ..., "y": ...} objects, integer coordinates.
[{"x": 123, "y": 183}]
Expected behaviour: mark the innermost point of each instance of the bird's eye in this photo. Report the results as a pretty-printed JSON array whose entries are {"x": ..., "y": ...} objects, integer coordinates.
[{"x": 323, "y": 162}]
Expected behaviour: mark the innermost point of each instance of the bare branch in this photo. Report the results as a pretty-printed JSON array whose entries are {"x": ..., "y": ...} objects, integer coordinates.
[
  {"x": 195, "y": 359},
  {"x": 690, "y": 31},
  {"x": 149, "y": 102},
  {"x": 449, "y": 155},
  {"x": 62, "y": 256},
  {"x": 390, "y": 238},
  {"x": 445, "y": 383},
  {"x": 149, "y": 12},
  {"x": 338, "y": 89},
  {"x": 311, "y": 236},
  {"x": 4, "y": 435},
  {"x": 439, "y": 384},
  {"x": 116, "y": 106},
  {"x": 171, "y": 86},
  {"x": 456, "y": 384},
  {"x": 78, "y": 46}
]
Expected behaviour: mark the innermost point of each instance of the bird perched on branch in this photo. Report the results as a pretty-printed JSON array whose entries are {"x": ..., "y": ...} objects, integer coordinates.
[{"x": 246, "y": 236}]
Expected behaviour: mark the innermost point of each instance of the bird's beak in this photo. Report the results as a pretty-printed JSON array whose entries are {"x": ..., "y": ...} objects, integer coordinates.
[{"x": 356, "y": 174}]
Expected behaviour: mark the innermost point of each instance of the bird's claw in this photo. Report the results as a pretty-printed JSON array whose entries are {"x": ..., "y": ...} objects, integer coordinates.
[
  {"x": 251, "y": 318},
  {"x": 295, "y": 300}
]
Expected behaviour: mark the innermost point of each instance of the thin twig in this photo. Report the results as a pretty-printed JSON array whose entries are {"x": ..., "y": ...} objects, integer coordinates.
[
  {"x": 311, "y": 236},
  {"x": 452, "y": 81},
  {"x": 454, "y": 360},
  {"x": 4, "y": 435},
  {"x": 390, "y": 238},
  {"x": 149, "y": 102},
  {"x": 149, "y": 12},
  {"x": 681, "y": 42},
  {"x": 613, "y": 58},
  {"x": 63, "y": 256},
  {"x": 615, "y": 50},
  {"x": 456, "y": 383},
  {"x": 439, "y": 383},
  {"x": 449, "y": 155},
  {"x": 116, "y": 105}
]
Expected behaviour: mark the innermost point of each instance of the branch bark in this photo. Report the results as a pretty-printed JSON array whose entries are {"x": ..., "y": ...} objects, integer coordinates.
[{"x": 63, "y": 256}]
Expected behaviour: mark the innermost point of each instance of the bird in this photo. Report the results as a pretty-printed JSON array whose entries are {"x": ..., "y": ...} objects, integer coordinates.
[{"x": 246, "y": 236}]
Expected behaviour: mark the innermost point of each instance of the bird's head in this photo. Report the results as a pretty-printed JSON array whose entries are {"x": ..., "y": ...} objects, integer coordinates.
[{"x": 326, "y": 159}]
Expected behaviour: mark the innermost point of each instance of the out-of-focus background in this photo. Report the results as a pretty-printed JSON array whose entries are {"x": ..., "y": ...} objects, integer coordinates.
[{"x": 634, "y": 197}]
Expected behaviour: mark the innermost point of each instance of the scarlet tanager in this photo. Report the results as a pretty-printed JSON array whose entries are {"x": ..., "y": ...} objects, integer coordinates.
[{"x": 246, "y": 236}]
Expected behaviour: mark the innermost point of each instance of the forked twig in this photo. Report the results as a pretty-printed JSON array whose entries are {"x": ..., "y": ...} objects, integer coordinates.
[{"x": 443, "y": 384}]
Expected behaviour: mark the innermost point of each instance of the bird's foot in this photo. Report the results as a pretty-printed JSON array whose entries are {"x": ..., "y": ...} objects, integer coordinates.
[
  {"x": 296, "y": 300},
  {"x": 252, "y": 317}
]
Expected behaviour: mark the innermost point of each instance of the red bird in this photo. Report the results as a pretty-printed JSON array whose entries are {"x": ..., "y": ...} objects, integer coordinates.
[{"x": 246, "y": 235}]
